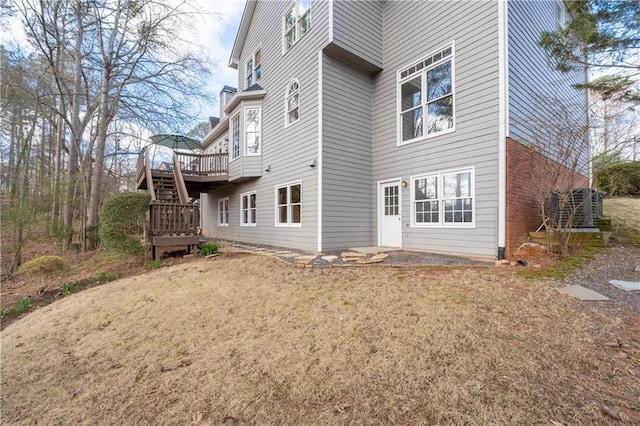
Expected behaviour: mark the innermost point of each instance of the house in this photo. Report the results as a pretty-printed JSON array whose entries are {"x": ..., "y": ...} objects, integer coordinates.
[{"x": 384, "y": 123}]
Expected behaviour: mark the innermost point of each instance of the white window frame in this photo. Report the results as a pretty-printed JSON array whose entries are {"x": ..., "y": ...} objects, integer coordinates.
[
  {"x": 234, "y": 124},
  {"x": 246, "y": 132},
  {"x": 421, "y": 70},
  {"x": 563, "y": 16},
  {"x": 296, "y": 25},
  {"x": 440, "y": 199},
  {"x": 289, "y": 204},
  {"x": 287, "y": 95},
  {"x": 256, "y": 67},
  {"x": 248, "y": 209},
  {"x": 223, "y": 211}
]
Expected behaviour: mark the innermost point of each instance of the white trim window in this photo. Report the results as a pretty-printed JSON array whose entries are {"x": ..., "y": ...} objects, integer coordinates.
[
  {"x": 252, "y": 130},
  {"x": 234, "y": 129},
  {"x": 426, "y": 97},
  {"x": 443, "y": 199},
  {"x": 563, "y": 17},
  {"x": 289, "y": 204},
  {"x": 292, "y": 102},
  {"x": 248, "y": 209},
  {"x": 254, "y": 68},
  {"x": 297, "y": 22},
  {"x": 223, "y": 211}
]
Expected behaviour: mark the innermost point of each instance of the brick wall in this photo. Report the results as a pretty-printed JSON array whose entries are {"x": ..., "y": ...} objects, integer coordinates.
[{"x": 528, "y": 173}]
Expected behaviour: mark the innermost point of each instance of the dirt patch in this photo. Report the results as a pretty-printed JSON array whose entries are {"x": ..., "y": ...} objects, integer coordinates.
[{"x": 263, "y": 342}]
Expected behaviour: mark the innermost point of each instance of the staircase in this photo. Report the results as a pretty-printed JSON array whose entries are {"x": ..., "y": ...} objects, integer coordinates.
[
  {"x": 165, "y": 189},
  {"x": 173, "y": 218}
]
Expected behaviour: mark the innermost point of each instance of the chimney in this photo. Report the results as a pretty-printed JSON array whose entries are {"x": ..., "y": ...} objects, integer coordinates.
[{"x": 225, "y": 96}]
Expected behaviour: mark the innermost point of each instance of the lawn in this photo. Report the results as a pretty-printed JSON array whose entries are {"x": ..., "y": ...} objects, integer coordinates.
[{"x": 263, "y": 342}]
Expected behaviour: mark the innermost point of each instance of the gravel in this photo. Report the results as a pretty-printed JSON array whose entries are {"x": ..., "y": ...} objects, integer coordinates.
[{"x": 613, "y": 263}]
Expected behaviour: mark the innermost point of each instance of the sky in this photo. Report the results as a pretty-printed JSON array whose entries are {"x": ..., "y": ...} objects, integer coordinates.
[
  {"x": 217, "y": 35},
  {"x": 215, "y": 31}
]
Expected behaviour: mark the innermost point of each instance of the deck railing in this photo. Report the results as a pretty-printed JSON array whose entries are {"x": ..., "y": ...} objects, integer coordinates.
[
  {"x": 174, "y": 219},
  {"x": 203, "y": 164}
]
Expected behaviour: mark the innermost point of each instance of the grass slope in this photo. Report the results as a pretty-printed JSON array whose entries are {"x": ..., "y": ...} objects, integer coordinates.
[{"x": 266, "y": 343}]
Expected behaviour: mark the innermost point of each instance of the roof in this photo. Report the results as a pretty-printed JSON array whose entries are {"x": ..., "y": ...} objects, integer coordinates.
[{"x": 241, "y": 36}]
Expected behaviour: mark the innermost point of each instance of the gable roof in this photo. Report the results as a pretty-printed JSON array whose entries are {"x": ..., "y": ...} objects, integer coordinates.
[{"x": 241, "y": 36}]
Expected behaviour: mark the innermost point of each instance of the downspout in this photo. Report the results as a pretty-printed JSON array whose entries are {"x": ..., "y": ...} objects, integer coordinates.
[
  {"x": 320, "y": 64},
  {"x": 503, "y": 116}
]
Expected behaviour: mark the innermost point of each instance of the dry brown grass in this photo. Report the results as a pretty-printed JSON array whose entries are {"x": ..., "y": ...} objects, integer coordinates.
[
  {"x": 625, "y": 212},
  {"x": 266, "y": 343}
]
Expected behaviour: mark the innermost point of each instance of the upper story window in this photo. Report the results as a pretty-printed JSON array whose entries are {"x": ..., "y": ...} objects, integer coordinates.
[
  {"x": 252, "y": 130},
  {"x": 292, "y": 102},
  {"x": 443, "y": 199},
  {"x": 426, "y": 97},
  {"x": 254, "y": 68},
  {"x": 297, "y": 22},
  {"x": 235, "y": 137},
  {"x": 562, "y": 15}
]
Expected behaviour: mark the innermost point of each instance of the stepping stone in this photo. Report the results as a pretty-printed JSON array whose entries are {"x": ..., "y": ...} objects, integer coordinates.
[
  {"x": 637, "y": 268},
  {"x": 581, "y": 293},
  {"x": 379, "y": 257},
  {"x": 303, "y": 261},
  {"x": 306, "y": 257},
  {"x": 626, "y": 285},
  {"x": 289, "y": 255},
  {"x": 329, "y": 258},
  {"x": 352, "y": 254},
  {"x": 282, "y": 252}
]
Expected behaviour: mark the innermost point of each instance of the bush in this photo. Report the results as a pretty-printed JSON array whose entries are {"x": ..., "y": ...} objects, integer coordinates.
[
  {"x": 44, "y": 265},
  {"x": 121, "y": 220},
  {"x": 208, "y": 248},
  {"x": 620, "y": 179}
]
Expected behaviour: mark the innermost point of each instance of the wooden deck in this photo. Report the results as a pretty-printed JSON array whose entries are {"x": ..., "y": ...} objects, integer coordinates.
[{"x": 174, "y": 216}]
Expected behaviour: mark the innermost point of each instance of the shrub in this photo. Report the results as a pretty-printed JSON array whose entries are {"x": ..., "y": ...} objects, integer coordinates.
[
  {"x": 620, "y": 179},
  {"x": 121, "y": 219},
  {"x": 208, "y": 248},
  {"x": 44, "y": 265}
]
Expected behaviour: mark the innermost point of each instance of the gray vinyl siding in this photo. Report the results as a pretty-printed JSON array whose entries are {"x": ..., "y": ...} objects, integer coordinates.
[
  {"x": 533, "y": 83},
  {"x": 412, "y": 30},
  {"x": 347, "y": 194},
  {"x": 287, "y": 152},
  {"x": 357, "y": 28}
]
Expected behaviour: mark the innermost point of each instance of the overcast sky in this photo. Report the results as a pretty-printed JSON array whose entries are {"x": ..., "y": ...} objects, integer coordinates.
[
  {"x": 218, "y": 36},
  {"x": 215, "y": 31}
]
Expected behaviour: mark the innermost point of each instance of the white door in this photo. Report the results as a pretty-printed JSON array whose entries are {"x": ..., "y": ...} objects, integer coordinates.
[{"x": 390, "y": 215}]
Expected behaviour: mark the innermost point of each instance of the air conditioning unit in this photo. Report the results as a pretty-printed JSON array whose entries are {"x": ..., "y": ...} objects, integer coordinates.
[{"x": 584, "y": 204}]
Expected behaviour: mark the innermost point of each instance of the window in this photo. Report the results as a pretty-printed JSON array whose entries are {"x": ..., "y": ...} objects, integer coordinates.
[
  {"x": 288, "y": 204},
  {"x": 297, "y": 22},
  {"x": 223, "y": 211},
  {"x": 292, "y": 102},
  {"x": 235, "y": 137},
  {"x": 254, "y": 69},
  {"x": 443, "y": 199},
  {"x": 252, "y": 130},
  {"x": 425, "y": 97},
  {"x": 248, "y": 209}
]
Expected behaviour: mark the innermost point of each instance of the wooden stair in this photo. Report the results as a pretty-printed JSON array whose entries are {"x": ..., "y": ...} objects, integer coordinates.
[{"x": 165, "y": 189}]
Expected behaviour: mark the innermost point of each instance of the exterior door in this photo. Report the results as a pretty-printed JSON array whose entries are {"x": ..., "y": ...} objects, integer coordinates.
[{"x": 390, "y": 214}]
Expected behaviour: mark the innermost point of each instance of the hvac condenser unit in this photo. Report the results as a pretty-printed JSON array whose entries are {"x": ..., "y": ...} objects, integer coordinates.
[{"x": 585, "y": 204}]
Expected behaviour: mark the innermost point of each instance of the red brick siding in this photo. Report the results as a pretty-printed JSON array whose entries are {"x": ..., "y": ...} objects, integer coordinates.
[{"x": 525, "y": 170}]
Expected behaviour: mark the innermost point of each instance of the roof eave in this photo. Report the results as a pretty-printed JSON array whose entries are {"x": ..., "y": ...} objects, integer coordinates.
[{"x": 241, "y": 36}]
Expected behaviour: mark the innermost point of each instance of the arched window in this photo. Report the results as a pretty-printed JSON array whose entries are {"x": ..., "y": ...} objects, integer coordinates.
[{"x": 292, "y": 102}]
